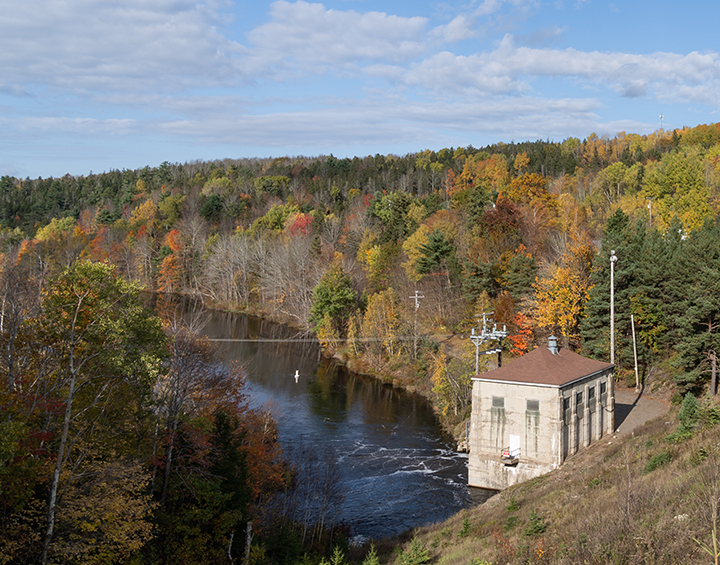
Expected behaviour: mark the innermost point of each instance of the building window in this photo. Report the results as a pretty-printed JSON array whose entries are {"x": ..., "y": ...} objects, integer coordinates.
[
  {"x": 579, "y": 404},
  {"x": 498, "y": 422},
  {"x": 532, "y": 428},
  {"x": 603, "y": 388},
  {"x": 591, "y": 394},
  {"x": 566, "y": 410}
]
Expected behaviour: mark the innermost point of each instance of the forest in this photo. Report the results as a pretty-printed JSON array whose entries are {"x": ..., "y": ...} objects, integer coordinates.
[{"x": 122, "y": 441}]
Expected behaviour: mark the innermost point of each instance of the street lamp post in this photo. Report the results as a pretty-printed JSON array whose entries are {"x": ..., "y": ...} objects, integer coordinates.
[{"x": 613, "y": 260}]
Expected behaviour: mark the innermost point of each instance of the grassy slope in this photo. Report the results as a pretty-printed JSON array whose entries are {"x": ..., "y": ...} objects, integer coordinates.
[{"x": 605, "y": 505}]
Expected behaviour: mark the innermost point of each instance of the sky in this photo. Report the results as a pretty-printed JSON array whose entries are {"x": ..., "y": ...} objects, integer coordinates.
[{"x": 96, "y": 85}]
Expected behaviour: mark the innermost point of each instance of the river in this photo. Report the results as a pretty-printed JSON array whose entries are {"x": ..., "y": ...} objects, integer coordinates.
[{"x": 397, "y": 470}]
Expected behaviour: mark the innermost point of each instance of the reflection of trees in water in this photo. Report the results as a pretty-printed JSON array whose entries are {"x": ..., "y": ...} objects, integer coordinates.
[
  {"x": 228, "y": 324},
  {"x": 329, "y": 398},
  {"x": 335, "y": 389},
  {"x": 238, "y": 326},
  {"x": 268, "y": 358},
  {"x": 384, "y": 403},
  {"x": 313, "y": 496}
]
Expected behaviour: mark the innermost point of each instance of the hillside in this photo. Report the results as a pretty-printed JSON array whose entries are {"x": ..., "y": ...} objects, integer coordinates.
[
  {"x": 391, "y": 261},
  {"x": 342, "y": 246},
  {"x": 651, "y": 496}
]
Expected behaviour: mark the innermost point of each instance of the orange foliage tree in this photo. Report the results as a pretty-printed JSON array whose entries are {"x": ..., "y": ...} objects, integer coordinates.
[
  {"x": 169, "y": 275},
  {"x": 528, "y": 187},
  {"x": 562, "y": 293},
  {"x": 480, "y": 171}
]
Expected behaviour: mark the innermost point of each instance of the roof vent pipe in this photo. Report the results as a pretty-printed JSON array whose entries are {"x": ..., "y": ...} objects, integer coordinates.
[{"x": 552, "y": 345}]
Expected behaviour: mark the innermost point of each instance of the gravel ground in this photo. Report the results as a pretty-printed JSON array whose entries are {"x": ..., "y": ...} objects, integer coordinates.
[{"x": 633, "y": 410}]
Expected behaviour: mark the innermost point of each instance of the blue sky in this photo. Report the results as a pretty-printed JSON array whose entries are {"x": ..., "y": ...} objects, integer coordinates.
[{"x": 94, "y": 85}]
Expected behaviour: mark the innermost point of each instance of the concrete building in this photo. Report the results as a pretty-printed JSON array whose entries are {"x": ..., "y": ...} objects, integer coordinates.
[{"x": 530, "y": 414}]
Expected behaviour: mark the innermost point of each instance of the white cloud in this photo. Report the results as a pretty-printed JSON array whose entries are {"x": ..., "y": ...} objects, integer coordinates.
[
  {"x": 160, "y": 71},
  {"x": 171, "y": 46},
  {"x": 460, "y": 28},
  {"x": 488, "y": 7},
  {"x": 99, "y": 44},
  {"x": 541, "y": 37},
  {"x": 311, "y": 36},
  {"x": 511, "y": 70},
  {"x": 392, "y": 119},
  {"x": 84, "y": 126}
]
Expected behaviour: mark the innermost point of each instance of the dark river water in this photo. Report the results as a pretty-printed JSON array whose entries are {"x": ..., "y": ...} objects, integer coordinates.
[{"x": 397, "y": 470}]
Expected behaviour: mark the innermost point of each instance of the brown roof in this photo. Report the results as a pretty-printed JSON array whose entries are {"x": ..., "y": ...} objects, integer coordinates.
[{"x": 542, "y": 367}]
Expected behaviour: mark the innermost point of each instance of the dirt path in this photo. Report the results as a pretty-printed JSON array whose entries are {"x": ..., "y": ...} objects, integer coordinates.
[{"x": 633, "y": 410}]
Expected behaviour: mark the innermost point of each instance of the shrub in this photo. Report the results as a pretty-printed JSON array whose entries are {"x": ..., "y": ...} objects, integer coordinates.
[
  {"x": 465, "y": 529},
  {"x": 698, "y": 457},
  {"x": 658, "y": 460},
  {"x": 709, "y": 414},
  {"x": 536, "y": 525},
  {"x": 415, "y": 554},
  {"x": 689, "y": 416},
  {"x": 510, "y": 523},
  {"x": 372, "y": 557}
]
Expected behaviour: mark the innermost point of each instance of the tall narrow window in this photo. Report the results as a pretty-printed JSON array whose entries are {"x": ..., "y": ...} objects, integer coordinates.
[
  {"x": 579, "y": 404},
  {"x": 497, "y": 422},
  {"x": 532, "y": 428}
]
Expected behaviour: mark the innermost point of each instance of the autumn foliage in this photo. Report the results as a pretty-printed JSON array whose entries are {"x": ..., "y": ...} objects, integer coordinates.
[{"x": 398, "y": 254}]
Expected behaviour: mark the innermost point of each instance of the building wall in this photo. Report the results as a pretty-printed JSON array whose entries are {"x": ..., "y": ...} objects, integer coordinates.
[
  {"x": 531, "y": 413},
  {"x": 588, "y": 411},
  {"x": 550, "y": 423}
]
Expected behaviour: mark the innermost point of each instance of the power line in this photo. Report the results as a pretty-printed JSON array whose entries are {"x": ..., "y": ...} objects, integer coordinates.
[
  {"x": 311, "y": 340},
  {"x": 265, "y": 340}
]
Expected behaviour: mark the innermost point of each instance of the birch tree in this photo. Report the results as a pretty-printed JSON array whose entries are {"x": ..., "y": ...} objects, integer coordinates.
[{"x": 107, "y": 348}]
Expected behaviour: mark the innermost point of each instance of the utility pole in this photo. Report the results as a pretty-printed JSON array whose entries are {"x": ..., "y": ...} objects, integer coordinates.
[
  {"x": 713, "y": 372},
  {"x": 613, "y": 260},
  {"x": 637, "y": 374},
  {"x": 488, "y": 335},
  {"x": 417, "y": 299},
  {"x": 476, "y": 340}
]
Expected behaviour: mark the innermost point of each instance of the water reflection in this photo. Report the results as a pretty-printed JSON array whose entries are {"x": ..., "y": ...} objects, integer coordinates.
[{"x": 397, "y": 469}]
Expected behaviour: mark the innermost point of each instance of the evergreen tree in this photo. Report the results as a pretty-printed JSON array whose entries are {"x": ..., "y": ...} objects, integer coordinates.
[
  {"x": 437, "y": 255},
  {"x": 334, "y": 295},
  {"x": 519, "y": 275},
  {"x": 595, "y": 325},
  {"x": 392, "y": 210},
  {"x": 479, "y": 277},
  {"x": 698, "y": 305}
]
